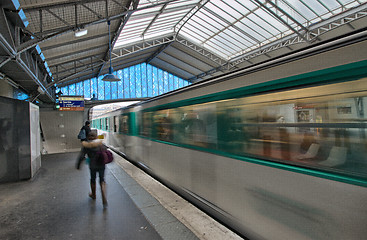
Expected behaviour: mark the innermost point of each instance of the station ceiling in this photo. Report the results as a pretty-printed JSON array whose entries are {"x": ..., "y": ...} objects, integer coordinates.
[{"x": 192, "y": 39}]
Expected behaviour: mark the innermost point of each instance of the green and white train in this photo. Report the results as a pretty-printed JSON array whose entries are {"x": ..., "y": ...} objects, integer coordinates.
[{"x": 274, "y": 151}]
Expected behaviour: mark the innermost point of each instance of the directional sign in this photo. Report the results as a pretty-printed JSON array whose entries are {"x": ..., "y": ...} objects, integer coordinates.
[{"x": 71, "y": 103}]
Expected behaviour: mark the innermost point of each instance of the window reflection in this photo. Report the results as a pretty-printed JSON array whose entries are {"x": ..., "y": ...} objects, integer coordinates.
[{"x": 302, "y": 127}]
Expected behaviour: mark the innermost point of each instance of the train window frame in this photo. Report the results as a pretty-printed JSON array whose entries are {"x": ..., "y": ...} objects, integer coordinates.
[{"x": 115, "y": 121}]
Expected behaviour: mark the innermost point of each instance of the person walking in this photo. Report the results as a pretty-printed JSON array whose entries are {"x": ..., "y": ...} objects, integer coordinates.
[
  {"x": 83, "y": 137},
  {"x": 96, "y": 165}
]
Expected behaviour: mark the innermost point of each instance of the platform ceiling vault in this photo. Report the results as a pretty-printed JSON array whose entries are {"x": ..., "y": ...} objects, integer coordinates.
[{"x": 192, "y": 39}]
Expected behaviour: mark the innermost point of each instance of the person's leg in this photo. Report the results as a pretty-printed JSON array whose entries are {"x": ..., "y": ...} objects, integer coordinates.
[
  {"x": 103, "y": 186},
  {"x": 93, "y": 174},
  {"x": 80, "y": 158}
]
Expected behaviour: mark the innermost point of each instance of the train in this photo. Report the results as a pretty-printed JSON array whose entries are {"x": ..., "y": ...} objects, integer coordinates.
[{"x": 277, "y": 150}]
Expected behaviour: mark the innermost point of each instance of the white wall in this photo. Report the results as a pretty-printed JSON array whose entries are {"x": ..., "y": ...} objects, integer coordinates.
[
  {"x": 60, "y": 129},
  {"x": 5, "y": 89}
]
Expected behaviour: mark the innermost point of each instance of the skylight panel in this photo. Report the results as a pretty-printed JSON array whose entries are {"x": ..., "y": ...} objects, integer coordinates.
[{"x": 303, "y": 9}]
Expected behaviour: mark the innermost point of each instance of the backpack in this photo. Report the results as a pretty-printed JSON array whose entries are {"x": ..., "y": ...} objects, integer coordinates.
[
  {"x": 104, "y": 155},
  {"x": 82, "y": 134}
]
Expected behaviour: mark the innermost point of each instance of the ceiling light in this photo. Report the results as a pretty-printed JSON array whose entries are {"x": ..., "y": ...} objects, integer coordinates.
[
  {"x": 11, "y": 82},
  {"x": 81, "y": 32},
  {"x": 110, "y": 77}
]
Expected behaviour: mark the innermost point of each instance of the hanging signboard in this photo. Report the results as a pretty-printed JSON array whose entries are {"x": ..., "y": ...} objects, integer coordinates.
[{"x": 71, "y": 103}]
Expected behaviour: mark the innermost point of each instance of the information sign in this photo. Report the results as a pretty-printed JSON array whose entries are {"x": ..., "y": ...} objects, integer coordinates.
[{"x": 71, "y": 103}]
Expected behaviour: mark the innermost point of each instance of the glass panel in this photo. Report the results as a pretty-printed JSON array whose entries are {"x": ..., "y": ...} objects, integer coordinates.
[
  {"x": 81, "y": 88},
  {"x": 107, "y": 90},
  {"x": 165, "y": 82},
  {"x": 72, "y": 89},
  {"x": 77, "y": 89},
  {"x": 87, "y": 89},
  {"x": 176, "y": 82},
  {"x": 155, "y": 82},
  {"x": 160, "y": 82},
  {"x": 132, "y": 82},
  {"x": 171, "y": 85},
  {"x": 114, "y": 89},
  {"x": 138, "y": 80},
  {"x": 144, "y": 80},
  {"x": 20, "y": 95},
  {"x": 65, "y": 90},
  {"x": 120, "y": 85},
  {"x": 100, "y": 88},
  {"x": 126, "y": 83},
  {"x": 94, "y": 88},
  {"x": 150, "y": 80}
]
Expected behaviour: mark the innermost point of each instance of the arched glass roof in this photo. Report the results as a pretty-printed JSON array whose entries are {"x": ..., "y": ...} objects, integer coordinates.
[{"x": 230, "y": 28}]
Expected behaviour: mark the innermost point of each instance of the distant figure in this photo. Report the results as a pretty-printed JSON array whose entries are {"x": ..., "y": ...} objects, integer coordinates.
[
  {"x": 94, "y": 97},
  {"x": 96, "y": 164},
  {"x": 82, "y": 153}
]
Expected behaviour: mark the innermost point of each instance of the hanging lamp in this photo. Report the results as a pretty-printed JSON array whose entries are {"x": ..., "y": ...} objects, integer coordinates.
[{"x": 110, "y": 77}]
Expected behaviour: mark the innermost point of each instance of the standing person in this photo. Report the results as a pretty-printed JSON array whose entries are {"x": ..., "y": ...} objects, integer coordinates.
[
  {"x": 96, "y": 164},
  {"x": 82, "y": 153}
]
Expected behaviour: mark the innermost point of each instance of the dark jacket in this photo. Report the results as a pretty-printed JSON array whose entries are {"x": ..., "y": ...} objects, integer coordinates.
[
  {"x": 87, "y": 131},
  {"x": 94, "y": 161}
]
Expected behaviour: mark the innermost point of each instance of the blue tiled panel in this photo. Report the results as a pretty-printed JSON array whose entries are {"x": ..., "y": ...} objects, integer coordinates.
[
  {"x": 138, "y": 80},
  {"x": 120, "y": 84},
  {"x": 107, "y": 90},
  {"x": 150, "y": 80},
  {"x": 165, "y": 82},
  {"x": 170, "y": 82},
  {"x": 100, "y": 88},
  {"x": 20, "y": 95},
  {"x": 144, "y": 80},
  {"x": 155, "y": 82},
  {"x": 65, "y": 90},
  {"x": 132, "y": 82},
  {"x": 160, "y": 82},
  {"x": 126, "y": 83},
  {"x": 94, "y": 87},
  {"x": 176, "y": 82},
  {"x": 87, "y": 89},
  {"x": 72, "y": 89},
  {"x": 114, "y": 89},
  {"x": 80, "y": 91},
  {"x": 77, "y": 89}
]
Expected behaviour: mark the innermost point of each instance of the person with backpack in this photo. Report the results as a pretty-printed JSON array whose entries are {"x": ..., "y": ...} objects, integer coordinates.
[
  {"x": 83, "y": 133},
  {"x": 93, "y": 149}
]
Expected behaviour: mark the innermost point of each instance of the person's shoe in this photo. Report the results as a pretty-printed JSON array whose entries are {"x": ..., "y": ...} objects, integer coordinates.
[
  {"x": 92, "y": 195},
  {"x": 103, "y": 191}
]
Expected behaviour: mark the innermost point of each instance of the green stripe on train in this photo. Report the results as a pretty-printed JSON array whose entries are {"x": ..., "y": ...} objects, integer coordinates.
[{"x": 348, "y": 72}]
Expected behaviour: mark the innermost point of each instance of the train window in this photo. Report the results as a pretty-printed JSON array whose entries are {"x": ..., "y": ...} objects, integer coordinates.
[
  {"x": 146, "y": 124},
  {"x": 115, "y": 123},
  {"x": 107, "y": 124},
  {"x": 322, "y": 127},
  {"x": 125, "y": 124}
]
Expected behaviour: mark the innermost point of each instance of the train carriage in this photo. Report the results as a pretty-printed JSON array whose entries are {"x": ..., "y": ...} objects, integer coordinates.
[{"x": 276, "y": 151}]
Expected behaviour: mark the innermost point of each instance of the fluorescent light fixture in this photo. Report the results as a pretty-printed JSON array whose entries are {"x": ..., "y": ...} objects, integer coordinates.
[
  {"x": 81, "y": 32},
  {"x": 40, "y": 90},
  {"x": 11, "y": 82}
]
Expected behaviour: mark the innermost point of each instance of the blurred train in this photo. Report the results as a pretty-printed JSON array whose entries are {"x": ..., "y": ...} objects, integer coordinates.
[{"x": 274, "y": 151}]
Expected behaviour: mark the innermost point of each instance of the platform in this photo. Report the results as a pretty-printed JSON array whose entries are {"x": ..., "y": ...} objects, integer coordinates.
[{"x": 55, "y": 205}]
